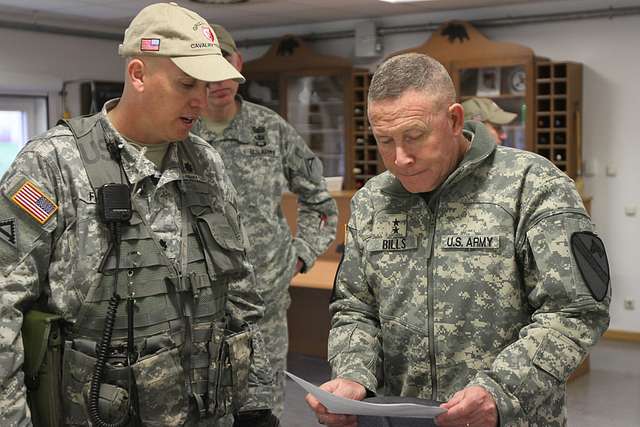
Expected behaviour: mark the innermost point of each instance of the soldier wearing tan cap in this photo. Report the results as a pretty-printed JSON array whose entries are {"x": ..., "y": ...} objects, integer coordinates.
[
  {"x": 122, "y": 249},
  {"x": 488, "y": 112},
  {"x": 265, "y": 156}
]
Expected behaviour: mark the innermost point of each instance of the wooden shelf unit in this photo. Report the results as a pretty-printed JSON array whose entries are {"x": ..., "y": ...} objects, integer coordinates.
[
  {"x": 549, "y": 109},
  {"x": 558, "y": 108},
  {"x": 362, "y": 160}
]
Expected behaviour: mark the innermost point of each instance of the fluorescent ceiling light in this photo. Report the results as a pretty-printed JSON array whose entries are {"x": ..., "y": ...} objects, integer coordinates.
[{"x": 404, "y": 1}]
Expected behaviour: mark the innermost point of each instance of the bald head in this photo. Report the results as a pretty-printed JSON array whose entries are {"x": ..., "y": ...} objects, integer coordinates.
[{"x": 412, "y": 71}]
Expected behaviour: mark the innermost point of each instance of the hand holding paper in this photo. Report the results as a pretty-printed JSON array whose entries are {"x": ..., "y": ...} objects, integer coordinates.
[{"x": 339, "y": 405}]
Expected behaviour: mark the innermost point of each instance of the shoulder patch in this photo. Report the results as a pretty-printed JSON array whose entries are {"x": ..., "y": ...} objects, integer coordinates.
[
  {"x": 591, "y": 258},
  {"x": 34, "y": 202},
  {"x": 8, "y": 231}
]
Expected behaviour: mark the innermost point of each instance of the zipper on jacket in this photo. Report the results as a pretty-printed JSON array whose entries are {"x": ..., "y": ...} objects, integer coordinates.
[{"x": 430, "y": 304}]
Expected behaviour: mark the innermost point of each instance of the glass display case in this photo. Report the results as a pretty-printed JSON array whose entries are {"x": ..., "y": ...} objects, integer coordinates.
[
  {"x": 506, "y": 86},
  {"x": 315, "y": 107},
  {"x": 312, "y": 92}
]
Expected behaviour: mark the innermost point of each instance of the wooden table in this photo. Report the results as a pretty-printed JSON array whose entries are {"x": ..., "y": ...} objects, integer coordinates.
[{"x": 309, "y": 311}]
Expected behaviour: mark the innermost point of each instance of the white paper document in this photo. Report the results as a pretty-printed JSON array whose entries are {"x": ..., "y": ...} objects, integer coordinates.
[{"x": 340, "y": 405}]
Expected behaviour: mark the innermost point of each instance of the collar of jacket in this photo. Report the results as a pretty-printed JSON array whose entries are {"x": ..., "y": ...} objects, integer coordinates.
[
  {"x": 482, "y": 146},
  {"x": 239, "y": 111}
]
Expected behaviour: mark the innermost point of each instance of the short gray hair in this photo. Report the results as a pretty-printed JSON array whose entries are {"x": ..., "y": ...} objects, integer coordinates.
[{"x": 411, "y": 71}]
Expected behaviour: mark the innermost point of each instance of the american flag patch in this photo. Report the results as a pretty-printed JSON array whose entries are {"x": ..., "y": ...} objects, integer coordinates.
[
  {"x": 34, "y": 202},
  {"x": 147, "y": 45}
]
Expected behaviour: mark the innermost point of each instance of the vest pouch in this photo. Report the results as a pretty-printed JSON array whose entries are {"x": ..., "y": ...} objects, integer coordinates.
[
  {"x": 239, "y": 350},
  {"x": 223, "y": 246},
  {"x": 229, "y": 373},
  {"x": 77, "y": 368},
  {"x": 160, "y": 382},
  {"x": 218, "y": 365},
  {"x": 42, "y": 340},
  {"x": 113, "y": 401}
]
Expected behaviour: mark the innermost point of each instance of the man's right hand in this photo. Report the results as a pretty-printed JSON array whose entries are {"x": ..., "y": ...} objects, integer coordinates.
[{"x": 343, "y": 388}]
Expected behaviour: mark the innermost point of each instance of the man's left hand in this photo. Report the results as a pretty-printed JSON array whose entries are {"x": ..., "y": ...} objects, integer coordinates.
[
  {"x": 470, "y": 407},
  {"x": 299, "y": 265}
]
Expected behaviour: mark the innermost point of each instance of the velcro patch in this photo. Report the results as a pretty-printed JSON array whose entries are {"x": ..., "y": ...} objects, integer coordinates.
[
  {"x": 453, "y": 241},
  {"x": 390, "y": 224},
  {"x": 34, "y": 202},
  {"x": 150, "y": 45},
  {"x": 392, "y": 244},
  {"x": 8, "y": 231},
  {"x": 591, "y": 258}
]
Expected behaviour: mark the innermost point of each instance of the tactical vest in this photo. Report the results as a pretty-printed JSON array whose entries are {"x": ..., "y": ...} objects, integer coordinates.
[{"x": 179, "y": 323}]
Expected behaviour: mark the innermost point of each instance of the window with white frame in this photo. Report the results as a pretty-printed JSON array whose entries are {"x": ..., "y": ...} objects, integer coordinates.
[{"x": 21, "y": 118}]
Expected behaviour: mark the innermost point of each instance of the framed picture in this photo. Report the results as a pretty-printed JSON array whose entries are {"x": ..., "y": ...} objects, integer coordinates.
[
  {"x": 517, "y": 81},
  {"x": 488, "y": 82}
]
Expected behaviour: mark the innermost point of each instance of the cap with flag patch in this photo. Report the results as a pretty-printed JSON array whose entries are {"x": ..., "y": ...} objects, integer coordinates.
[
  {"x": 485, "y": 110},
  {"x": 169, "y": 30}
]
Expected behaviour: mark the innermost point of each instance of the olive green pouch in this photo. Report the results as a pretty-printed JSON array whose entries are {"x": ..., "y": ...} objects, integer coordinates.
[
  {"x": 231, "y": 354},
  {"x": 42, "y": 340}
]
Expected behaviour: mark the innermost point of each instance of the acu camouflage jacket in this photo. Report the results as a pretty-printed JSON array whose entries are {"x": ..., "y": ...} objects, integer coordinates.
[
  {"x": 473, "y": 284},
  {"x": 264, "y": 157},
  {"x": 55, "y": 251}
]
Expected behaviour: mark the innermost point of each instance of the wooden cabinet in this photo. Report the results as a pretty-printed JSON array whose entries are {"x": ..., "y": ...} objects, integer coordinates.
[
  {"x": 313, "y": 92},
  {"x": 310, "y": 292},
  {"x": 363, "y": 160},
  {"x": 481, "y": 67},
  {"x": 545, "y": 95},
  {"x": 558, "y": 114}
]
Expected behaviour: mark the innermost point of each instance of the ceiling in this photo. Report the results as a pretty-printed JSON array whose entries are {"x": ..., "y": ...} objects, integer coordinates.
[{"x": 114, "y": 15}]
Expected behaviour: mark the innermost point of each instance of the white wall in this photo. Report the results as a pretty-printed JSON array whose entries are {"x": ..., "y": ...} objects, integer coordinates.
[
  {"x": 38, "y": 63},
  {"x": 610, "y": 53},
  {"x": 608, "y": 48}
]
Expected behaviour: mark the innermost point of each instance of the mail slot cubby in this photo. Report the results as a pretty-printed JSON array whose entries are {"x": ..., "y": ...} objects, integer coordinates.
[
  {"x": 544, "y": 105},
  {"x": 543, "y": 138},
  {"x": 544, "y": 122},
  {"x": 559, "y": 121},
  {"x": 366, "y": 163}
]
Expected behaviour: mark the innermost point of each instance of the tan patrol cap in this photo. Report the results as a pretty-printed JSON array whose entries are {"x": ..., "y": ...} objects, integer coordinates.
[
  {"x": 227, "y": 44},
  {"x": 169, "y": 30},
  {"x": 485, "y": 110}
]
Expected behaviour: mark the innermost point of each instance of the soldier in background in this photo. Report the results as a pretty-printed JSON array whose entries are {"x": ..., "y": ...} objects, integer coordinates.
[
  {"x": 488, "y": 112},
  {"x": 126, "y": 226},
  {"x": 265, "y": 157},
  {"x": 471, "y": 274}
]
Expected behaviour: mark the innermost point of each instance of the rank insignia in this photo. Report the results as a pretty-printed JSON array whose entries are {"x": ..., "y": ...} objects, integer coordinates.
[
  {"x": 34, "y": 202},
  {"x": 391, "y": 225},
  {"x": 8, "y": 231},
  {"x": 259, "y": 135}
]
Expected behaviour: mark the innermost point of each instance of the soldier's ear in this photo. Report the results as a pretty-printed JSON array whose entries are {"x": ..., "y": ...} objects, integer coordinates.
[
  {"x": 135, "y": 73},
  {"x": 236, "y": 60},
  {"x": 456, "y": 118}
]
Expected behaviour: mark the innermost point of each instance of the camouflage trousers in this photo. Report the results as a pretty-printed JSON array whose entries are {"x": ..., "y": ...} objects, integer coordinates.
[{"x": 275, "y": 333}]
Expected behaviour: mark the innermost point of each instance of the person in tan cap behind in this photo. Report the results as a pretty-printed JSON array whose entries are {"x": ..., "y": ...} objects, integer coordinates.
[
  {"x": 266, "y": 157},
  {"x": 488, "y": 112},
  {"x": 123, "y": 229}
]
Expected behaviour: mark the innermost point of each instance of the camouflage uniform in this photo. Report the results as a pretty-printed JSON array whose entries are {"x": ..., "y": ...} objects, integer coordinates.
[
  {"x": 264, "y": 157},
  {"x": 60, "y": 259},
  {"x": 472, "y": 284}
]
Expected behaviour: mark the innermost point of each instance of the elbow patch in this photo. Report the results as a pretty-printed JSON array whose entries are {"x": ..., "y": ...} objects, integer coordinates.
[{"x": 558, "y": 356}]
